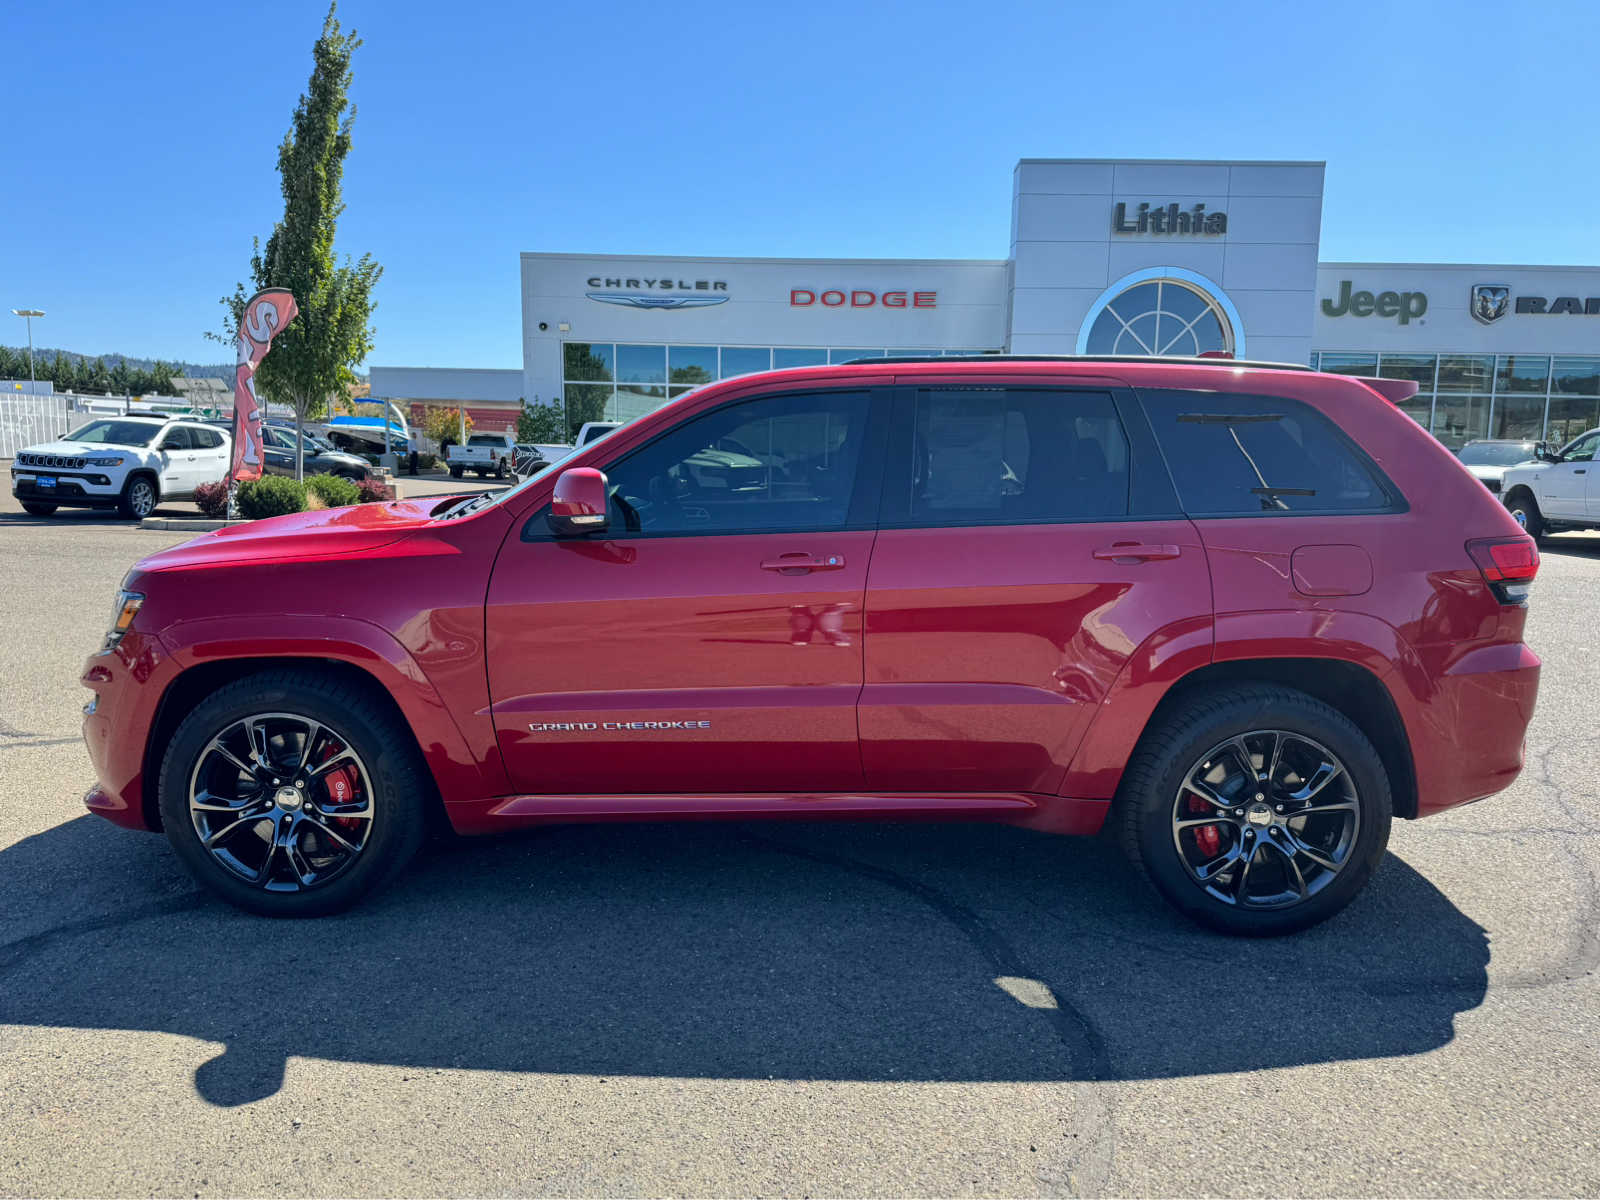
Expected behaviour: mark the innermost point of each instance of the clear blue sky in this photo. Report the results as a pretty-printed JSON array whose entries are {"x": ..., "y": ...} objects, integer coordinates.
[{"x": 144, "y": 137}]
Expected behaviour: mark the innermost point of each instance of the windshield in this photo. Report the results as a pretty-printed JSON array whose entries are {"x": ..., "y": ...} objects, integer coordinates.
[
  {"x": 1496, "y": 454},
  {"x": 116, "y": 433}
]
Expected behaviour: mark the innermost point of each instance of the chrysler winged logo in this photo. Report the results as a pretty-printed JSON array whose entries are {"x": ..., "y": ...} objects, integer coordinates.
[
  {"x": 1490, "y": 301},
  {"x": 630, "y": 300}
]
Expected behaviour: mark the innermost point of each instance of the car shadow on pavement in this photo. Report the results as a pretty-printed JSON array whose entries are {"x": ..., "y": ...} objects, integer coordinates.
[{"x": 838, "y": 952}]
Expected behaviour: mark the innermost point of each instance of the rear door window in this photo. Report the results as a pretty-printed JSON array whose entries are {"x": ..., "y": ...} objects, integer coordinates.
[
  {"x": 1262, "y": 456},
  {"x": 1006, "y": 455}
]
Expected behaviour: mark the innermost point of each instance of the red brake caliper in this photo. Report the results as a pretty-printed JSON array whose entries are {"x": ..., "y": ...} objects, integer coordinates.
[
  {"x": 341, "y": 785},
  {"x": 1207, "y": 837}
]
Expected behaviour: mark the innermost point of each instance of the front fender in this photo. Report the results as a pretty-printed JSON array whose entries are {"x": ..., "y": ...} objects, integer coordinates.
[{"x": 464, "y": 761}]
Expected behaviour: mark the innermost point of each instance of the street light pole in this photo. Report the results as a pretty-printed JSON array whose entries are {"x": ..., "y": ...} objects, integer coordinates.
[{"x": 29, "y": 314}]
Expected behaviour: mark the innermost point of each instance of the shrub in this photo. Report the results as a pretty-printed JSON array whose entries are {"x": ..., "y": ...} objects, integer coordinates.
[
  {"x": 271, "y": 496},
  {"x": 370, "y": 489},
  {"x": 333, "y": 491},
  {"x": 212, "y": 499},
  {"x": 426, "y": 460}
]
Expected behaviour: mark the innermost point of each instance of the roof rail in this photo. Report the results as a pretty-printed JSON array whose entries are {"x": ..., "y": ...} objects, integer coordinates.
[{"x": 1179, "y": 360}]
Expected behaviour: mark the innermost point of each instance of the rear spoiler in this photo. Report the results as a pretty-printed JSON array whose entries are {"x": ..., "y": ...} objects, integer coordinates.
[{"x": 1395, "y": 391}]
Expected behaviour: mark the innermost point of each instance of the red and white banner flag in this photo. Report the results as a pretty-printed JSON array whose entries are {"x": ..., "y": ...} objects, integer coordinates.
[{"x": 266, "y": 315}]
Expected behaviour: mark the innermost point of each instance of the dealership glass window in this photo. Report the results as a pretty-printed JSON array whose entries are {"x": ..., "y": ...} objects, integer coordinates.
[
  {"x": 588, "y": 402},
  {"x": 1518, "y": 416},
  {"x": 1572, "y": 376},
  {"x": 1466, "y": 372},
  {"x": 1161, "y": 316},
  {"x": 691, "y": 365},
  {"x": 1459, "y": 418},
  {"x": 1574, "y": 397},
  {"x": 1522, "y": 373},
  {"x": 1419, "y": 367},
  {"x": 585, "y": 361},
  {"x": 1570, "y": 416},
  {"x": 1349, "y": 364},
  {"x": 745, "y": 360},
  {"x": 641, "y": 364},
  {"x": 1419, "y": 408},
  {"x": 788, "y": 356},
  {"x": 840, "y": 356}
]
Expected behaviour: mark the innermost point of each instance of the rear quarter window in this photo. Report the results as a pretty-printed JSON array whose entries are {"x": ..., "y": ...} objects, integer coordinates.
[{"x": 1233, "y": 455}]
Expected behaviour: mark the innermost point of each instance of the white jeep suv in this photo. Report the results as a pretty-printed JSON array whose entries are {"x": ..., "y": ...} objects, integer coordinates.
[{"x": 128, "y": 463}]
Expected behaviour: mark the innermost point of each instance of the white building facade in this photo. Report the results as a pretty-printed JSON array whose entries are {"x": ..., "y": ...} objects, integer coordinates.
[{"x": 1106, "y": 257}]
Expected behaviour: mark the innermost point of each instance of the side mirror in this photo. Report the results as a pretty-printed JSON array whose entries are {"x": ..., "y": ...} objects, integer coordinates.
[
  {"x": 1546, "y": 454},
  {"x": 578, "y": 504}
]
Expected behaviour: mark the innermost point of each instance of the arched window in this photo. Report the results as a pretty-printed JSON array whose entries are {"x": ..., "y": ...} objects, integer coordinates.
[{"x": 1161, "y": 316}]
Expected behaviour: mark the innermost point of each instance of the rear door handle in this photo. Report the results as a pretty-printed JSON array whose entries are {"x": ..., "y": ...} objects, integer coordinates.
[
  {"x": 798, "y": 563},
  {"x": 1581, "y": 471},
  {"x": 1135, "y": 552}
]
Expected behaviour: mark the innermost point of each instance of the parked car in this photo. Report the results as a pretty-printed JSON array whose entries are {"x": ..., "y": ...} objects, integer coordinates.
[
  {"x": 483, "y": 453},
  {"x": 1488, "y": 458},
  {"x": 1559, "y": 491},
  {"x": 321, "y": 458},
  {"x": 529, "y": 458},
  {"x": 130, "y": 463},
  {"x": 1243, "y": 614},
  {"x": 593, "y": 431}
]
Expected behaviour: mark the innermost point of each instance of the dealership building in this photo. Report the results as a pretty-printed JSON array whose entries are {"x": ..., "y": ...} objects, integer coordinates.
[{"x": 1106, "y": 257}]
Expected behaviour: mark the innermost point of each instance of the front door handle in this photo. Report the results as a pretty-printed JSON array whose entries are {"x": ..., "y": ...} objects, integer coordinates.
[
  {"x": 1126, "y": 552},
  {"x": 1581, "y": 471},
  {"x": 799, "y": 562}
]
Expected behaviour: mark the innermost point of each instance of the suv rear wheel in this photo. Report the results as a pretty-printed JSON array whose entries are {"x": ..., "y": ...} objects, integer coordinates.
[
  {"x": 292, "y": 794},
  {"x": 1255, "y": 810}
]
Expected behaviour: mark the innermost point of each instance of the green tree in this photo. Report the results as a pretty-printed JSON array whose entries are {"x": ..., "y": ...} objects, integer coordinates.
[
  {"x": 443, "y": 425},
  {"x": 315, "y": 357},
  {"x": 540, "y": 423}
]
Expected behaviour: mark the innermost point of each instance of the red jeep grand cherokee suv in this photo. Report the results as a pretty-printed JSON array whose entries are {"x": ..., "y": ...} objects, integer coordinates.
[{"x": 1245, "y": 614}]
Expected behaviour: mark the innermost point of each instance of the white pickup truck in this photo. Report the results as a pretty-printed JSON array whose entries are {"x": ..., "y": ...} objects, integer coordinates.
[
  {"x": 485, "y": 453},
  {"x": 1559, "y": 492}
]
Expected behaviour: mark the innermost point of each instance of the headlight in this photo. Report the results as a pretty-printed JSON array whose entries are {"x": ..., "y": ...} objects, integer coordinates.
[
  {"x": 112, "y": 461},
  {"x": 122, "y": 614}
]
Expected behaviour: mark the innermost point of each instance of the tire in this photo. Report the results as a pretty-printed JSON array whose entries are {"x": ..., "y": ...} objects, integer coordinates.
[
  {"x": 386, "y": 782},
  {"x": 139, "y": 498},
  {"x": 455, "y": 472},
  {"x": 35, "y": 509},
  {"x": 1524, "y": 509},
  {"x": 1155, "y": 794},
  {"x": 500, "y": 469}
]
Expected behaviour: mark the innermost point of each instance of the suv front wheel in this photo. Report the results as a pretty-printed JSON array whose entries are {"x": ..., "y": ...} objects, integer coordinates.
[
  {"x": 139, "y": 498},
  {"x": 293, "y": 793},
  {"x": 1255, "y": 810}
]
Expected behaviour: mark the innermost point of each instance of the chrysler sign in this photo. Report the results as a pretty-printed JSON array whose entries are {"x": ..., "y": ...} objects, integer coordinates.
[{"x": 658, "y": 293}]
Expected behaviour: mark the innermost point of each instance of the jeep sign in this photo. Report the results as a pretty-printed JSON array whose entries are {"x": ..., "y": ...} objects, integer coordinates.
[{"x": 1403, "y": 306}]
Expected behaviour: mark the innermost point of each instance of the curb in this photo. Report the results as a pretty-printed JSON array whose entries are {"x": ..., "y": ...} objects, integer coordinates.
[{"x": 192, "y": 526}]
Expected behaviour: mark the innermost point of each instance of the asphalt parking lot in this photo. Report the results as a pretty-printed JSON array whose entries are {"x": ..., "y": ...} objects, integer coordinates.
[{"x": 796, "y": 1009}]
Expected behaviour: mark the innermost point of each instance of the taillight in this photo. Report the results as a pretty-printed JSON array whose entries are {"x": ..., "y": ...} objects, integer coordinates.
[{"x": 1508, "y": 566}]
